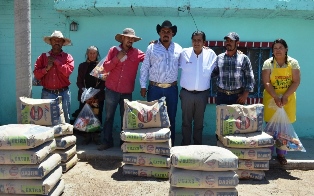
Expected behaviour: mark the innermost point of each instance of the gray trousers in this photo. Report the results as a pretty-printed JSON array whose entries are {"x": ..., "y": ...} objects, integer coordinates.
[{"x": 193, "y": 105}]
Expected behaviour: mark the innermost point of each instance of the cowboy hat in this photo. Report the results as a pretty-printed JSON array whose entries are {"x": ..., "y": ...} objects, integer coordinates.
[
  {"x": 57, "y": 34},
  {"x": 127, "y": 32},
  {"x": 167, "y": 24}
]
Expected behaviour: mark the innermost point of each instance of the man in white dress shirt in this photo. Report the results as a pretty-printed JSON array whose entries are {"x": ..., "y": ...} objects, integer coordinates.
[
  {"x": 196, "y": 65},
  {"x": 160, "y": 70}
]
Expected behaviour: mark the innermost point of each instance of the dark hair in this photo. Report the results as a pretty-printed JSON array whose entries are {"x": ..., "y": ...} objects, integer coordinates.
[
  {"x": 284, "y": 43},
  {"x": 92, "y": 48},
  {"x": 199, "y": 33}
]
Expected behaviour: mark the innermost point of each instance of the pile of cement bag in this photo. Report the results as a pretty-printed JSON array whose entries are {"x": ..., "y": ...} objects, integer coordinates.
[
  {"x": 239, "y": 129},
  {"x": 27, "y": 162},
  {"x": 203, "y": 170},
  {"x": 146, "y": 137}
]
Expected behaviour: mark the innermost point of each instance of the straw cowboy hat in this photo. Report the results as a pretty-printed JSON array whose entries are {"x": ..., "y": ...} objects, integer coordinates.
[
  {"x": 127, "y": 32},
  {"x": 167, "y": 24},
  {"x": 57, "y": 34}
]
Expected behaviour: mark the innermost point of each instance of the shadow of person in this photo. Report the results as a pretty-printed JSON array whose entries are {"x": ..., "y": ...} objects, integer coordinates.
[{"x": 105, "y": 165}]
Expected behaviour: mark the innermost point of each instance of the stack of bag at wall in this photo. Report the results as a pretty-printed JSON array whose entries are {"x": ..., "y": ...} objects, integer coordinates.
[
  {"x": 27, "y": 162},
  {"x": 239, "y": 129},
  {"x": 146, "y": 137},
  {"x": 49, "y": 112},
  {"x": 203, "y": 170}
]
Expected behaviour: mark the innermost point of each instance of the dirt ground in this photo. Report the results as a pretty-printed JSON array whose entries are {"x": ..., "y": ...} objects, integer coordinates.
[{"x": 105, "y": 178}]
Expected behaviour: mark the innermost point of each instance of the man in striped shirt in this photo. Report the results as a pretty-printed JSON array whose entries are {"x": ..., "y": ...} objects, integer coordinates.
[{"x": 160, "y": 70}]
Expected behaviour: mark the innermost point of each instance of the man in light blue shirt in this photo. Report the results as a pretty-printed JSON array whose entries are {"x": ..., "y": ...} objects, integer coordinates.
[
  {"x": 160, "y": 70},
  {"x": 196, "y": 65}
]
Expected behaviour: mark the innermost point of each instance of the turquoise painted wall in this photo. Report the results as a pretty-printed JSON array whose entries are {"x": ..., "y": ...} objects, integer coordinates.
[{"x": 100, "y": 31}]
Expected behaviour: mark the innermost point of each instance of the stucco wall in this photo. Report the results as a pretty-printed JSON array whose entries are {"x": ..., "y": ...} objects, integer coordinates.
[{"x": 100, "y": 31}]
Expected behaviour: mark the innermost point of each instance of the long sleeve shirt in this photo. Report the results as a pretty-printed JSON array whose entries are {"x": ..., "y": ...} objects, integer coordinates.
[
  {"x": 85, "y": 80},
  {"x": 160, "y": 65},
  {"x": 122, "y": 75},
  {"x": 58, "y": 75},
  {"x": 234, "y": 72}
]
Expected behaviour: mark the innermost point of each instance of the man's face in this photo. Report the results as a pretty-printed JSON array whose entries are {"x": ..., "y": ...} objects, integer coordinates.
[
  {"x": 56, "y": 43},
  {"x": 127, "y": 41},
  {"x": 166, "y": 35},
  {"x": 230, "y": 44},
  {"x": 198, "y": 43}
]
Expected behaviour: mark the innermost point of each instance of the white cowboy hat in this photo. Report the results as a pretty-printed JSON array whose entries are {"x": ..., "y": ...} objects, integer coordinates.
[
  {"x": 57, "y": 34},
  {"x": 127, "y": 32}
]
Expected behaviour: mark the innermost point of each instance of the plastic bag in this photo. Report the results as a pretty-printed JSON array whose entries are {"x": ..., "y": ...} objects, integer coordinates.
[
  {"x": 89, "y": 93},
  {"x": 99, "y": 71},
  {"x": 86, "y": 120},
  {"x": 283, "y": 132}
]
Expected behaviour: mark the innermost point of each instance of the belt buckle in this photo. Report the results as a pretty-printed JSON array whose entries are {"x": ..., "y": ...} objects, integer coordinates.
[
  {"x": 166, "y": 85},
  {"x": 228, "y": 92}
]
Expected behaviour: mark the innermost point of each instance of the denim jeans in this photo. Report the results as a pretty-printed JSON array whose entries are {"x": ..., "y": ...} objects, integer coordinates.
[
  {"x": 222, "y": 98},
  {"x": 66, "y": 101},
  {"x": 111, "y": 103},
  {"x": 171, "y": 94}
]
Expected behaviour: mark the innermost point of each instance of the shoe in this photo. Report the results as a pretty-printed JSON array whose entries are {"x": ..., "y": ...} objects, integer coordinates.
[
  {"x": 282, "y": 159},
  {"x": 104, "y": 147}
]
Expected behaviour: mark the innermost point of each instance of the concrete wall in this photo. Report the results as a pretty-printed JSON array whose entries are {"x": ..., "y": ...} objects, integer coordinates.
[{"x": 100, "y": 31}]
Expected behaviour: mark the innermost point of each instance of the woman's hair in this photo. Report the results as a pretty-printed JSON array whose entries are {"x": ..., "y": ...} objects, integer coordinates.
[
  {"x": 284, "y": 43},
  {"x": 92, "y": 48}
]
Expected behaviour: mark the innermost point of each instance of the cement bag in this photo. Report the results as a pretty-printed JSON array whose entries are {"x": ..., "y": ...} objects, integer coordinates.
[
  {"x": 283, "y": 132},
  {"x": 23, "y": 136},
  {"x": 30, "y": 171},
  {"x": 40, "y": 187},
  {"x": 56, "y": 191},
  {"x": 206, "y": 192},
  {"x": 65, "y": 141},
  {"x": 30, "y": 156},
  {"x": 202, "y": 157},
  {"x": 143, "y": 114},
  {"x": 146, "y": 135},
  {"x": 155, "y": 172},
  {"x": 86, "y": 120},
  {"x": 151, "y": 148},
  {"x": 67, "y": 153},
  {"x": 251, "y": 174},
  {"x": 63, "y": 129},
  {"x": 203, "y": 179},
  {"x": 239, "y": 118},
  {"x": 248, "y": 140},
  {"x": 253, "y": 164},
  {"x": 42, "y": 111},
  {"x": 69, "y": 164},
  {"x": 143, "y": 159},
  {"x": 249, "y": 153}
]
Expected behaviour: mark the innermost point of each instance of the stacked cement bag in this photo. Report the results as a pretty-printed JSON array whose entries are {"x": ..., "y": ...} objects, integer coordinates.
[
  {"x": 66, "y": 145},
  {"x": 146, "y": 137},
  {"x": 203, "y": 170},
  {"x": 27, "y": 164},
  {"x": 239, "y": 129}
]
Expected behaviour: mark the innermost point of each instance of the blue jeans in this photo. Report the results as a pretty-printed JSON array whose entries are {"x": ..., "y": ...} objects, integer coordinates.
[
  {"x": 171, "y": 94},
  {"x": 66, "y": 101},
  {"x": 111, "y": 103},
  {"x": 222, "y": 98}
]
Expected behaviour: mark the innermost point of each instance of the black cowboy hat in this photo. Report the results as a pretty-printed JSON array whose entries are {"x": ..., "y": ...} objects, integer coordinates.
[{"x": 167, "y": 24}]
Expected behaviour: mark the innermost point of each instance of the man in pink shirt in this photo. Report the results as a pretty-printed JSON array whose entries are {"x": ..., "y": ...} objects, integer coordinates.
[
  {"x": 53, "y": 69},
  {"x": 122, "y": 63}
]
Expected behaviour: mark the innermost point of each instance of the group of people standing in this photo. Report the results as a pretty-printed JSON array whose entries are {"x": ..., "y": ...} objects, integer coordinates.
[{"x": 161, "y": 62}]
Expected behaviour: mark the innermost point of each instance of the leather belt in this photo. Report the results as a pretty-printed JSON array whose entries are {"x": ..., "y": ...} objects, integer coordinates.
[
  {"x": 230, "y": 92},
  {"x": 56, "y": 91},
  {"x": 194, "y": 92},
  {"x": 163, "y": 85}
]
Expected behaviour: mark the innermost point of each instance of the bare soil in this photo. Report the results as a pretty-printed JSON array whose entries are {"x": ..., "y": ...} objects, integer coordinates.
[{"x": 105, "y": 178}]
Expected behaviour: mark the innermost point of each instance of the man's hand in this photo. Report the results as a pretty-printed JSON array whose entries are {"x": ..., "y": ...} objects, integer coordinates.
[
  {"x": 242, "y": 97},
  {"x": 143, "y": 92},
  {"x": 121, "y": 54}
]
